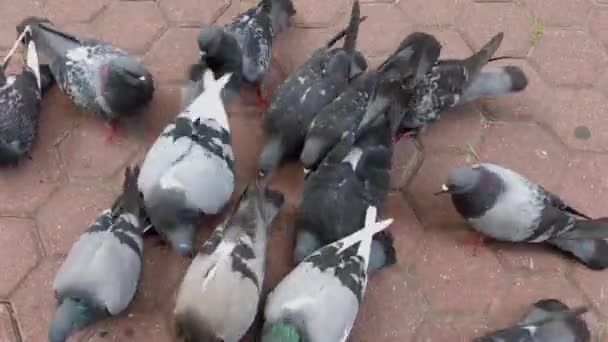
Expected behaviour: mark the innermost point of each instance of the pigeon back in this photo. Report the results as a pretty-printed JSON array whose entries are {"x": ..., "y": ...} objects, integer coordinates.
[{"x": 104, "y": 263}]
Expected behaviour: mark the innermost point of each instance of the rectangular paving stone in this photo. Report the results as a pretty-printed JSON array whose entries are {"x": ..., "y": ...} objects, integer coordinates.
[{"x": 7, "y": 332}]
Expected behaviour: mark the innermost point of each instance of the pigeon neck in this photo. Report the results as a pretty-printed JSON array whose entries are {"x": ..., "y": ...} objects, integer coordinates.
[
  {"x": 71, "y": 315},
  {"x": 475, "y": 202},
  {"x": 281, "y": 332}
]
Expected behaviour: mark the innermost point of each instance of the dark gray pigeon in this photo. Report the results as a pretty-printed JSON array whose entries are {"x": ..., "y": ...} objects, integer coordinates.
[
  {"x": 400, "y": 72},
  {"x": 303, "y": 94},
  {"x": 369, "y": 96},
  {"x": 95, "y": 75},
  {"x": 354, "y": 175},
  {"x": 319, "y": 300},
  {"x": 99, "y": 277},
  {"x": 452, "y": 82},
  {"x": 20, "y": 97},
  {"x": 189, "y": 170},
  {"x": 505, "y": 206},
  {"x": 243, "y": 47},
  {"x": 220, "y": 294},
  {"x": 548, "y": 320}
]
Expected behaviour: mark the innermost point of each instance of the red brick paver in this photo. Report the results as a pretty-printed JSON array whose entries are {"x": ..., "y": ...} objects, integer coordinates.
[{"x": 555, "y": 132}]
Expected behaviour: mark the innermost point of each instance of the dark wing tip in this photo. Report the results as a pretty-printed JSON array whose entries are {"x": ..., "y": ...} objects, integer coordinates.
[
  {"x": 519, "y": 81},
  {"x": 29, "y": 21},
  {"x": 385, "y": 238}
]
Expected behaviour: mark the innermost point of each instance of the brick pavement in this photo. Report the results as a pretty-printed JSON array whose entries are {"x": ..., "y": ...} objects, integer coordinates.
[{"x": 553, "y": 133}]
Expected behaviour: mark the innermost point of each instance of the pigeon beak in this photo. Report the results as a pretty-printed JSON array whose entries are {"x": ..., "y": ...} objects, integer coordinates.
[
  {"x": 203, "y": 54},
  {"x": 444, "y": 190},
  {"x": 306, "y": 173}
]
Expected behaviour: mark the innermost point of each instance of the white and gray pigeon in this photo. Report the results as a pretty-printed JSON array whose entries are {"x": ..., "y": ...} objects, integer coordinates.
[
  {"x": 548, "y": 320},
  {"x": 319, "y": 300},
  {"x": 220, "y": 294},
  {"x": 369, "y": 96},
  {"x": 95, "y": 75},
  {"x": 244, "y": 46},
  {"x": 99, "y": 277},
  {"x": 189, "y": 170},
  {"x": 304, "y": 93},
  {"x": 354, "y": 175},
  {"x": 453, "y": 82},
  {"x": 20, "y": 97},
  {"x": 503, "y": 205}
]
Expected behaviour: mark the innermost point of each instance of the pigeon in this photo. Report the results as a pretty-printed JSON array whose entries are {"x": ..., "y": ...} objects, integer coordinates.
[
  {"x": 303, "y": 94},
  {"x": 243, "y": 47},
  {"x": 503, "y": 205},
  {"x": 400, "y": 72},
  {"x": 99, "y": 277},
  {"x": 376, "y": 88},
  {"x": 219, "y": 296},
  {"x": 352, "y": 177},
  {"x": 189, "y": 170},
  {"x": 319, "y": 300},
  {"x": 95, "y": 75},
  {"x": 452, "y": 82},
  {"x": 548, "y": 320},
  {"x": 20, "y": 97}
]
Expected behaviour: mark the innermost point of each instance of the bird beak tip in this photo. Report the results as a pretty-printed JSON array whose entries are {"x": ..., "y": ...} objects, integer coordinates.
[{"x": 444, "y": 190}]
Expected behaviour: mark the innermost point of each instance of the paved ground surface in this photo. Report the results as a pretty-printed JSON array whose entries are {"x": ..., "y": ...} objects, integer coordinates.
[{"x": 554, "y": 132}]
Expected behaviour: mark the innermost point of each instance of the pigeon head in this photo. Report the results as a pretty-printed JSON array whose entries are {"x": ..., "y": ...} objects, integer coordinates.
[
  {"x": 462, "y": 180},
  {"x": 270, "y": 157},
  {"x": 314, "y": 150},
  {"x": 171, "y": 217},
  {"x": 71, "y": 315},
  {"x": 281, "y": 332},
  {"x": 210, "y": 40},
  {"x": 127, "y": 85}
]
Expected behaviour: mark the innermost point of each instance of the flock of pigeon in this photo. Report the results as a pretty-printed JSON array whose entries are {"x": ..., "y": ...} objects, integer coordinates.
[{"x": 339, "y": 118}]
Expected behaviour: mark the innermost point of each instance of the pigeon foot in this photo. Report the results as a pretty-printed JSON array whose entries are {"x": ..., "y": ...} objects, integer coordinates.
[
  {"x": 111, "y": 131},
  {"x": 477, "y": 240},
  {"x": 261, "y": 100}
]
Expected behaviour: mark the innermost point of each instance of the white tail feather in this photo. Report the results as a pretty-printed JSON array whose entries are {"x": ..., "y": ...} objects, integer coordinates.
[
  {"x": 32, "y": 60},
  {"x": 366, "y": 233}
]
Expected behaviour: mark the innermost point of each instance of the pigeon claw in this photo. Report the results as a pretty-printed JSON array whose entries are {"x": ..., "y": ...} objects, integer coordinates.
[
  {"x": 111, "y": 131},
  {"x": 261, "y": 100},
  {"x": 477, "y": 241}
]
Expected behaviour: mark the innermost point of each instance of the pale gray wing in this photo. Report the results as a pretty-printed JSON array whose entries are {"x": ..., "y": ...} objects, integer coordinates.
[
  {"x": 103, "y": 266},
  {"x": 318, "y": 300}
]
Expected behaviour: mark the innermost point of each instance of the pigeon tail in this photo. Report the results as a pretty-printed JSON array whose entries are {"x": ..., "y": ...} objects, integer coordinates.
[
  {"x": 50, "y": 41},
  {"x": 352, "y": 31},
  {"x": 280, "y": 12},
  {"x": 267, "y": 201},
  {"x": 31, "y": 60},
  {"x": 587, "y": 241},
  {"x": 194, "y": 86},
  {"x": 11, "y": 152},
  {"x": 382, "y": 251},
  {"x": 364, "y": 235},
  {"x": 131, "y": 201},
  {"x": 476, "y": 62},
  {"x": 47, "y": 80},
  {"x": 495, "y": 82}
]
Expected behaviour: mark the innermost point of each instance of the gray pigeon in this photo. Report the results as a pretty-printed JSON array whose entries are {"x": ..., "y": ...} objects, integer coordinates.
[
  {"x": 369, "y": 96},
  {"x": 189, "y": 170},
  {"x": 243, "y": 47},
  {"x": 354, "y": 175},
  {"x": 20, "y": 97},
  {"x": 452, "y": 82},
  {"x": 99, "y": 277},
  {"x": 505, "y": 206},
  {"x": 96, "y": 76},
  {"x": 548, "y": 320},
  {"x": 303, "y": 94},
  {"x": 219, "y": 296},
  {"x": 319, "y": 300}
]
